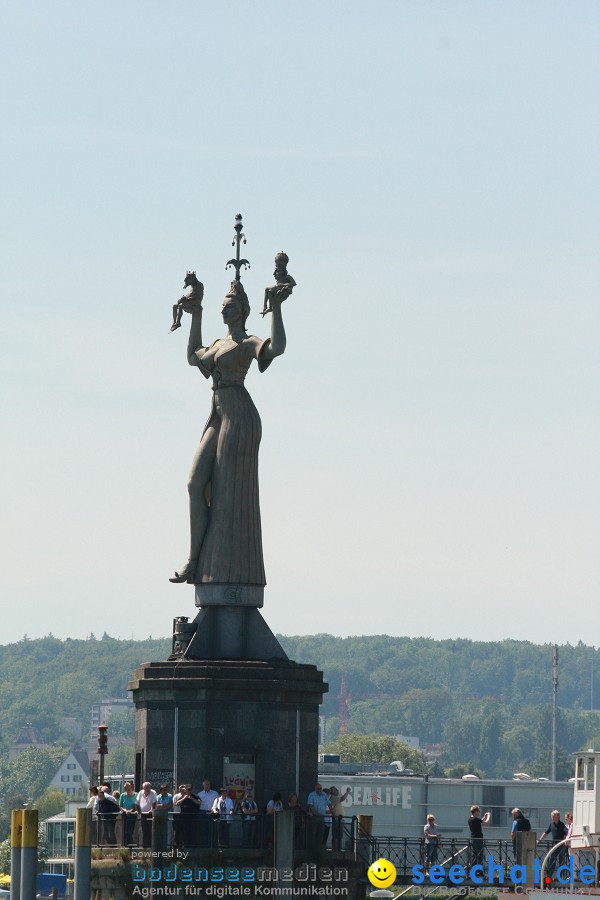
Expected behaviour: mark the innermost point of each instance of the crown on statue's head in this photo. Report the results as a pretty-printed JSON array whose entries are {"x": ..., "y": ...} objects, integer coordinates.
[{"x": 236, "y": 289}]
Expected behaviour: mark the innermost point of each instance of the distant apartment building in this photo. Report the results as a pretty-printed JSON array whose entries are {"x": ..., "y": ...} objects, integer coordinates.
[{"x": 102, "y": 711}]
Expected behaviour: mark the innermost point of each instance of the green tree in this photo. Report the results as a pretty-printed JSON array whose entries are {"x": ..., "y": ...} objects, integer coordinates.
[
  {"x": 5, "y": 857},
  {"x": 541, "y": 767},
  {"x": 50, "y": 803},
  {"x": 461, "y": 737},
  {"x": 120, "y": 760},
  {"x": 489, "y": 739},
  {"x": 32, "y": 770},
  {"x": 375, "y": 748},
  {"x": 460, "y": 769},
  {"x": 121, "y": 723},
  {"x": 517, "y": 749}
]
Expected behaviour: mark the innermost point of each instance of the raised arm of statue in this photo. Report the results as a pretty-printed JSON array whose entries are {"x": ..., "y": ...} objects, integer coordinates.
[
  {"x": 195, "y": 339},
  {"x": 276, "y": 345}
]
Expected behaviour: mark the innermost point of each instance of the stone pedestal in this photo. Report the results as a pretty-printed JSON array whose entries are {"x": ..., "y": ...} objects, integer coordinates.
[
  {"x": 193, "y": 716},
  {"x": 225, "y": 632}
]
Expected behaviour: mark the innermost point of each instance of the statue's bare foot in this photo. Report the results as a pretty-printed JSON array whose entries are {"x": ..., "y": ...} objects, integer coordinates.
[{"x": 186, "y": 576}]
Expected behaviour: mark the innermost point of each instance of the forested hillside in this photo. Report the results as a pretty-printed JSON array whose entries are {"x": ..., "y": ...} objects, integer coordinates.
[
  {"x": 41, "y": 680},
  {"x": 488, "y": 704}
]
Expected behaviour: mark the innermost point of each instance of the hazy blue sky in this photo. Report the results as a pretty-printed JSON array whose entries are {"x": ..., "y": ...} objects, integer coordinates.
[{"x": 431, "y": 438}]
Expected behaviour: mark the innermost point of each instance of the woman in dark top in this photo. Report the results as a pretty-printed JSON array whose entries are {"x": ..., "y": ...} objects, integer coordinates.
[
  {"x": 476, "y": 830},
  {"x": 189, "y": 804}
]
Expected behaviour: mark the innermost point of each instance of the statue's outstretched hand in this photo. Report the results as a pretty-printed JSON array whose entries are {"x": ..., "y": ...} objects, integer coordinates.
[
  {"x": 189, "y": 306},
  {"x": 281, "y": 293}
]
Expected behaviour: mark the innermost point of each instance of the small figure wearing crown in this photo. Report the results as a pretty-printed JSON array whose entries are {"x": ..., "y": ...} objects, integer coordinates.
[
  {"x": 192, "y": 296},
  {"x": 281, "y": 278}
]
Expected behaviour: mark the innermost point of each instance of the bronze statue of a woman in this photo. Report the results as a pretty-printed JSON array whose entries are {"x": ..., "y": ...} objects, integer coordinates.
[{"x": 225, "y": 540}]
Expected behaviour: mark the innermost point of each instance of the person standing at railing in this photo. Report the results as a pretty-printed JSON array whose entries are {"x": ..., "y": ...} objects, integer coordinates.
[
  {"x": 573, "y": 856},
  {"x": 188, "y": 804},
  {"x": 207, "y": 797},
  {"x": 337, "y": 813},
  {"x": 164, "y": 805},
  {"x": 178, "y": 828},
  {"x": 93, "y": 805},
  {"x": 558, "y": 831},
  {"x": 318, "y": 808},
  {"x": 127, "y": 802},
  {"x": 432, "y": 842},
  {"x": 107, "y": 815},
  {"x": 223, "y": 811},
  {"x": 145, "y": 803},
  {"x": 476, "y": 823},
  {"x": 249, "y": 811}
]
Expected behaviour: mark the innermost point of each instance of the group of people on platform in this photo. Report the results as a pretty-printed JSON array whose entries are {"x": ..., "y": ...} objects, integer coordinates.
[
  {"x": 557, "y": 831},
  {"x": 204, "y": 818}
]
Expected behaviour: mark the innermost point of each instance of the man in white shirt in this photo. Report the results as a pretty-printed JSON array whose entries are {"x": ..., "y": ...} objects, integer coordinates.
[
  {"x": 318, "y": 807},
  {"x": 207, "y": 798},
  {"x": 145, "y": 802}
]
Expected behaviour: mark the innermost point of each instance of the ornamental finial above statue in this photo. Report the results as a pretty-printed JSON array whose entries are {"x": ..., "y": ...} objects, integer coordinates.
[
  {"x": 240, "y": 238},
  {"x": 225, "y": 560}
]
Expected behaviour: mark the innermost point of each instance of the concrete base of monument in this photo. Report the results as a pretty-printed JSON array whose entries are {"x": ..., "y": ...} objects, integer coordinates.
[
  {"x": 198, "y": 719},
  {"x": 230, "y": 595},
  {"x": 225, "y": 632}
]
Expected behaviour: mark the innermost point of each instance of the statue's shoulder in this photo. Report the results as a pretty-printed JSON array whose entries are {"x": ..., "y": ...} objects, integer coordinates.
[{"x": 254, "y": 342}]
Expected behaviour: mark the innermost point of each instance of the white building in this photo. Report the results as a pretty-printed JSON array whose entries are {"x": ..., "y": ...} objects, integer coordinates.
[
  {"x": 73, "y": 775},
  {"x": 399, "y": 803}
]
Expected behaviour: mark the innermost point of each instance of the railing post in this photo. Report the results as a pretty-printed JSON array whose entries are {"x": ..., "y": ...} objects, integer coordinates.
[
  {"x": 159, "y": 833},
  {"x": 16, "y": 840},
  {"x": 83, "y": 853},
  {"x": 29, "y": 854}
]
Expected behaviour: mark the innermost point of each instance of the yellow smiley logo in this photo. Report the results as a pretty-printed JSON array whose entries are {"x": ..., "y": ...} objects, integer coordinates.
[{"x": 381, "y": 873}]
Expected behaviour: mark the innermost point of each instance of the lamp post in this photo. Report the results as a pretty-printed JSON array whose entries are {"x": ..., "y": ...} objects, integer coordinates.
[{"x": 554, "y": 696}]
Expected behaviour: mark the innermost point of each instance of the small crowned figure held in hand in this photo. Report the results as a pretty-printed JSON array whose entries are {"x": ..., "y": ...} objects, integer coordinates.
[
  {"x": 192, "y": 296},
  {"x": 281, "y": 278}
]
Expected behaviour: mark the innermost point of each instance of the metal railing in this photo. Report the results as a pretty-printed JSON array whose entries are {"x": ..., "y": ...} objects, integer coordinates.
[
  {"x": 405, "y": 853},
  {"x": 168, "y": 831},
  {"x": 165, "y": 831}
]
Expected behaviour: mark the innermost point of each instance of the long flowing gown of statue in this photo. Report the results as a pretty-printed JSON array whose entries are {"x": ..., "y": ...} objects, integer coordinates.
[{"x": 231, "y": 551}]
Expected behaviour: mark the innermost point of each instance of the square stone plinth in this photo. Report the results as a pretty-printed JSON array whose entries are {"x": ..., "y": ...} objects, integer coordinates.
[{"x": 193, "y": 717}]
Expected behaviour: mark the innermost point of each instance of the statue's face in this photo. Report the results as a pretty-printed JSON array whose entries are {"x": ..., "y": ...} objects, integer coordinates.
[{"x": 232, "y": 310}]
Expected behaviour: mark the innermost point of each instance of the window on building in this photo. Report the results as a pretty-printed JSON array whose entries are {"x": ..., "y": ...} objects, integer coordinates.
[
  {"x": 65, "y": 777},
  {"x": 71, "y": 766},
  {"x": 76, "y": 777},
  {"x": 590, "y": 774}
]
